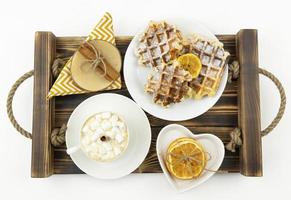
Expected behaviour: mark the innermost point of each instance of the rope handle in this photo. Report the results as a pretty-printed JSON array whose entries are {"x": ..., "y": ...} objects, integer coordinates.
[
  {"x": 282, "y": 107},
  {"x": 10, "y": 100},
  {"x": 58, "y": 134}
]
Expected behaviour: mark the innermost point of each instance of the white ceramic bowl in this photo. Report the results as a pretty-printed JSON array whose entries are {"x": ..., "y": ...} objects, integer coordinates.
[{"x": 211, "y": 144}]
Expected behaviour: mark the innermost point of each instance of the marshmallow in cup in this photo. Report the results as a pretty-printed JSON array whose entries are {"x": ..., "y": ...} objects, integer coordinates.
[{"x": 104, "y": 137}]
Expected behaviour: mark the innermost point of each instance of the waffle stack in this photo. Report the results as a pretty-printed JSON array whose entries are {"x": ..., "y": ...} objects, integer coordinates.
[
  {"x": 160, "y": 43},
  {"x": 213, "y": 59},
  {"x": 168, "y": 84}
]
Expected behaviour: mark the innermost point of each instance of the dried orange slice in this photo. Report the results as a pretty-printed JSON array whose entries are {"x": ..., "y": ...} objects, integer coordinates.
[
  {"x": 185, "y": 158},
  {"x": 191, "y": 63}
]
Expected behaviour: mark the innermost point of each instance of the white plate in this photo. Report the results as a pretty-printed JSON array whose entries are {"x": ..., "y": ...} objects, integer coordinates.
[
  {"x": 139, "y": 135},
  {"x": 135, "y": 77},
  {"x": 212, "y": 145}
]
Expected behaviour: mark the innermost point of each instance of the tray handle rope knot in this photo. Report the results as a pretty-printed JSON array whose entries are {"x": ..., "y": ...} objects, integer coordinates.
[
  {"x": 233, "y": 71},
  {"x": 58, "y": 66},
  {"x": 235, "y": 140},
  {"x": 58, "y": 134}
]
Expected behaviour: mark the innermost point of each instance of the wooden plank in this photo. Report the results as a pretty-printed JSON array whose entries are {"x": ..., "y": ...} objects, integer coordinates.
[
  {"x": 66, "y": 46},
  {"x": 226, "y": 108},
  {"x": 42, "y": 152},
  {"x": 64, "y": 164},
  {"x": 249, "y": 103},
  {"x": 230, "y": 164}
]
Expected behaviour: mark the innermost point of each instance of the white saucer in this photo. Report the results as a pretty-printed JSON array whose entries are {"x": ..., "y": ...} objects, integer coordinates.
[
  {"x": 135, "y": 77},
  {"x": 139, "y": 131}
]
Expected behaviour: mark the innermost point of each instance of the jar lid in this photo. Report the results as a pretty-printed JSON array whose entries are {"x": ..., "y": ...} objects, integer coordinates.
[{"x": 96, "y": 65}]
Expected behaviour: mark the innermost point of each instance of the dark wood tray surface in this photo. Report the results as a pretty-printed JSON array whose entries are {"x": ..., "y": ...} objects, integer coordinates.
[{"x": 219, "y": 120}]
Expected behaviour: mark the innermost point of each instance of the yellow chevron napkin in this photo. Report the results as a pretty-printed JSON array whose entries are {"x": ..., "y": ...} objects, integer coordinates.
[{"x": 64, "y": 85}]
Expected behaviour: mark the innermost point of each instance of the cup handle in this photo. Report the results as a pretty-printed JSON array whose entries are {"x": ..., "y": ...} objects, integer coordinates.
[{"x": 73, "y": 149}]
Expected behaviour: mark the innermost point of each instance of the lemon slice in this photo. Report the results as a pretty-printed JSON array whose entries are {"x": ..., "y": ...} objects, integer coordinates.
[
  {"x": 191, "y": 63},
  {"x": 185, "y": 158}
]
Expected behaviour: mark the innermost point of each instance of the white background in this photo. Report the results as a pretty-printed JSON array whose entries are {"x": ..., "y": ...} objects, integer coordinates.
[{"x": 20, "y": 19}]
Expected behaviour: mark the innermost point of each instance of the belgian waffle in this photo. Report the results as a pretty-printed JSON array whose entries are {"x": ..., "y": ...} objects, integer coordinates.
[
  {"x": 213, "y": 58},
  {"x": 168, "y": 83},
  {"x": 160, "y": 43}
]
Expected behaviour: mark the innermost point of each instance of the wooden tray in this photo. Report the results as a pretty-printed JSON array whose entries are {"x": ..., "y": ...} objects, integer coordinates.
[{"x": 239, "y": 106}]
